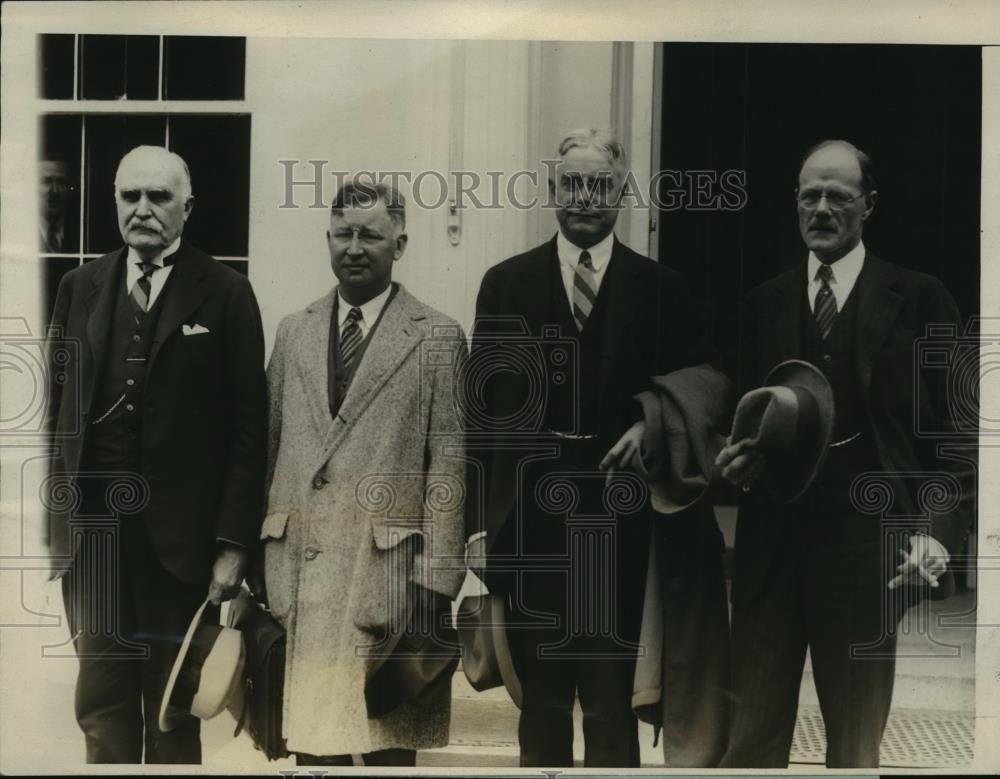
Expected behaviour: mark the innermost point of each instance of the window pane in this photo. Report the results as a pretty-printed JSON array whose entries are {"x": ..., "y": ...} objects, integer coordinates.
[
  {"x": 56, "y": 52},
  {"x": 217, "y": 150},
  {"x": 59, "y": 184},
  {"x": 114, "y": 67},
  {"x": 108, "y": 138},
  {"x": 203, "y": 68},
  {"x": 53, "y": 269},
  {"x": 142, "y": 78}
]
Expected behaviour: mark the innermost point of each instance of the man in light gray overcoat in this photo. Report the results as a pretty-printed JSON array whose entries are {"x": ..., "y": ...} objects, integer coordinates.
[{"x": 364, "y": 522}]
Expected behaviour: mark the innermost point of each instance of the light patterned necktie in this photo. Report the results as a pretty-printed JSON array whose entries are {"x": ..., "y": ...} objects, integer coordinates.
[
  {"x": 139, "y": 294},
  {"x": 825, "y": 307},
  {"x": 350, "y": 339},
  {"x": 584, "y": 292}
]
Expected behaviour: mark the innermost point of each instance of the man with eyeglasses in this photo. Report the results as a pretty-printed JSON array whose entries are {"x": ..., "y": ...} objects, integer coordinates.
[
  {"x": 363, "y": 536},
  {"x": 819, "y": 572},
  {"x": 567, "y": 519}
]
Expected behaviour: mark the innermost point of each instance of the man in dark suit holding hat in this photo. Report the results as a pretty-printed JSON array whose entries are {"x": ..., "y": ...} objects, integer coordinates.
[
  {"x": 566, "y": 335},
  {"x": 814, "y": 568},
  {"x": 161, "y": 426}
]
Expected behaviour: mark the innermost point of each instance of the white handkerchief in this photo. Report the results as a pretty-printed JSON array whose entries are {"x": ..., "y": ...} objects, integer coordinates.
[{"x": 194, "y": 329}]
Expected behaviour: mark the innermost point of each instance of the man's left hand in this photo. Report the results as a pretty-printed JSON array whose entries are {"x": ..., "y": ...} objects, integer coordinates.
[
  {"x": 627, "y": 453},
  {"x": 926, "y": 561},
  {"x": 227, "y": 574}
]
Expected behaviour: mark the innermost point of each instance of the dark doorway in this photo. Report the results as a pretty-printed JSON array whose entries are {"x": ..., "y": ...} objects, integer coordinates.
[{"x": 916, "y": 110}]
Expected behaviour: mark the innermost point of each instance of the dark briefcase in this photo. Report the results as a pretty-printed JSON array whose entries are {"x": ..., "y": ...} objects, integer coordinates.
[{"x": 264, "y": 685}]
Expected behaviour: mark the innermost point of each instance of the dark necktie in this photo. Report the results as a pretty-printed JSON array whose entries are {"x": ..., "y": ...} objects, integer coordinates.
[
  {"x": 350, "y": 339},
  {"x": 825, "y": 307},
  {"x": 140, "y": 292},
  {"x": 584, "y": 293}
]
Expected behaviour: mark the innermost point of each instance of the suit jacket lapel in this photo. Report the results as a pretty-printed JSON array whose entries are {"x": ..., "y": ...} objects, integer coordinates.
[
  {"x": 536, "y": 287},
  {"x": 621, "y": 332},
  {"x": 784, "y": 320},
  {"x": 100, "y": 306},
  {"x": 185, "y": 290},
  {"x": 878, "y": 307}
]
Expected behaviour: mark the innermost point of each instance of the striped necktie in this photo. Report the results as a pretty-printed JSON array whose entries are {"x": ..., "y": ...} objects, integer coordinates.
[
  {"x": 350, "y": 339},
  {"x": 140, "y": 292},
  {"x": 825, "y": 307},
  {"x": 584, "y": 293}
]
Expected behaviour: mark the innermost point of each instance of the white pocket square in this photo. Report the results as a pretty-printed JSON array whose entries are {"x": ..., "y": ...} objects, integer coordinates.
[{"x": 194, "y": 329}]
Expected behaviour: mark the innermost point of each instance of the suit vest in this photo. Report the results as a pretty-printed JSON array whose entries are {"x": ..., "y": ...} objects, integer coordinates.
[
  {"x": 582, "y": 388},
  {"x": 836, "y": 357},
  {"x": 114, "y": 432}
]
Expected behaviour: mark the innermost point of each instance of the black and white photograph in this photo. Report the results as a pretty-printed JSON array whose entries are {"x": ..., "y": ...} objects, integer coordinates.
[{"x": 420, "y": 388}]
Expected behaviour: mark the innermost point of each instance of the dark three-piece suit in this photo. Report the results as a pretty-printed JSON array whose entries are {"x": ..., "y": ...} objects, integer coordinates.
[
  {"x": 160, "y": 433},
  {"x": 549, "y": 401},
  {"x": 814, "y": 572}
]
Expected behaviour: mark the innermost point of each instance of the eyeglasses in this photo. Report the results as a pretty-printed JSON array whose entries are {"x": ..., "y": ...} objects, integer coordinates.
[
  {"x": 834, "y": 200},
  {"x": 595, "y": 186}
]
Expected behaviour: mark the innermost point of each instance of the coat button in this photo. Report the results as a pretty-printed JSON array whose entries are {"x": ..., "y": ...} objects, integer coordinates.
[
  {"x": 130, "y": 382},
  {"x": 827, "y": 358},
  {"x": 311, "y": 553},
  {"x": 319, "y": 483},
  {"x": 137, "y": 338},
  {"x": 129, "y": 407}
]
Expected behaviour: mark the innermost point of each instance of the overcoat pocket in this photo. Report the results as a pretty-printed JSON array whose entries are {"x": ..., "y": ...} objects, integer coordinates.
[
  {"x": 384, "y": 579},
  {"x": 274, "y": 525},
  {"x": 279, "y": 565}
]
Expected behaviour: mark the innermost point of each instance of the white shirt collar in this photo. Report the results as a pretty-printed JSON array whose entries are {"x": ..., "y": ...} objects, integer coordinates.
[
  {"x": 600, "y": 253},
  {"x": 369, "y": 311},
  {"x": 845, "y": 274},
  {"x": 133, "y": 255}
]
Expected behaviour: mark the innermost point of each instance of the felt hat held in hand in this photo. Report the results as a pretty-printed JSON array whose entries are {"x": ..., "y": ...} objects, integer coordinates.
[
  {"x": 486, "y": 654},
  {"x": 790, "y": 421}
]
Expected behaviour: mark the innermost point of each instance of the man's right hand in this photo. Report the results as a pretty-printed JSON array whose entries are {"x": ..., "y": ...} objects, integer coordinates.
[
  {"x": 740, "y": 464},
  {"x": 626, "y": 453},
  {"x": 227, "y": 573}
]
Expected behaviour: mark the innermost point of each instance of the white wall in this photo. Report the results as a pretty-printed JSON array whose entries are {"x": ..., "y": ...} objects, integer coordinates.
[
  {"x": 575, "y": 86},
  {"x": 379, "y": 105},
  {"x": 394, "y": 105}
]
